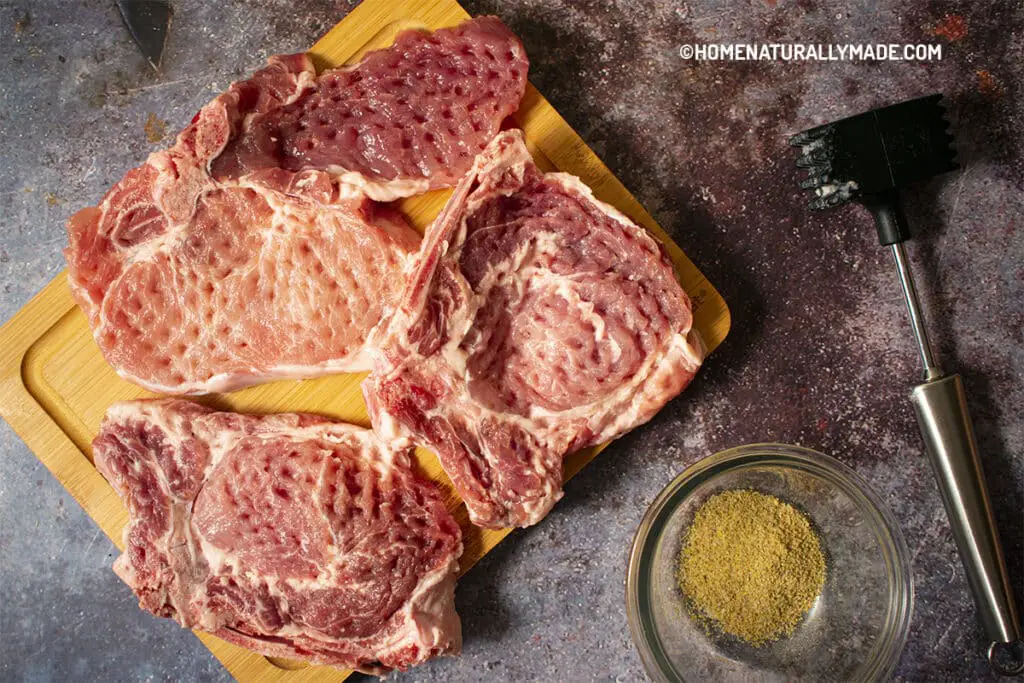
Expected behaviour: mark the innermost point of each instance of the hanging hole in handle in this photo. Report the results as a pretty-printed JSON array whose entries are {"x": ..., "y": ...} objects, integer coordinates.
[{"x": 1006, "y": 659}]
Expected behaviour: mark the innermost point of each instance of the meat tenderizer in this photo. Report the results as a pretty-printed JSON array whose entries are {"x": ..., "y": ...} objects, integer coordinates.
[{"x": 867, "y": 159}]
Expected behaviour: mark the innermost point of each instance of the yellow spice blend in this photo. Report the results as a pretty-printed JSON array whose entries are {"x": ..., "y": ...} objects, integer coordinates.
[{"x": 752, "y": 564}]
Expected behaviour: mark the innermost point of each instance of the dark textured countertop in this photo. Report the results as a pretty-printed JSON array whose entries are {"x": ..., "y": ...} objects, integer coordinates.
[{"x": 820, "y": 352}]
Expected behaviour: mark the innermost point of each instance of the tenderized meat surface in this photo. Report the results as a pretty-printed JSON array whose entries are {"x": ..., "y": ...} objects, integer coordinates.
[
  {"x": 249, "y": 250},
  {"x": 290, "y": 535},
  {"x": 400, "y": 122},
  {"x": 538, "y": 321}
]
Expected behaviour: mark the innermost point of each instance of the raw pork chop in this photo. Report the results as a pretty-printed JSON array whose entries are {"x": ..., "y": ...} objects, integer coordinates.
[
  {"x": 274, "y": 264},
  {"x": 401, "y": 121},
  {"x": 290, "y": 535},
  {"x": 538, "y": 321},
  {"x": 254, "y": 285}
]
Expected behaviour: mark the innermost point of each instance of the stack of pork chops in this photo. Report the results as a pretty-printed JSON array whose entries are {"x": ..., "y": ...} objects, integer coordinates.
[{"x": 531, "y": 321}]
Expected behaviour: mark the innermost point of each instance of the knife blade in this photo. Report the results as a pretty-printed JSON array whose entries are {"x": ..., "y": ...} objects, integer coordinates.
[{"x": 148, "y": 22}]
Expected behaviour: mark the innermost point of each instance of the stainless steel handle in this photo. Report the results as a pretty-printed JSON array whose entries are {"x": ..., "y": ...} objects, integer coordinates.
[{"x": 945, "y": 424}]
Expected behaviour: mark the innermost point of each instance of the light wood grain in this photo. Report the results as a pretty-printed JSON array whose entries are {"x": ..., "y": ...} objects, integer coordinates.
[{"x": 55, "y": 385}]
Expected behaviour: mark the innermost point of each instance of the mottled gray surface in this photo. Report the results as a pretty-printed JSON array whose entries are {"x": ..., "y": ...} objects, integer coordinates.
[{"x": 819, "y": 354}]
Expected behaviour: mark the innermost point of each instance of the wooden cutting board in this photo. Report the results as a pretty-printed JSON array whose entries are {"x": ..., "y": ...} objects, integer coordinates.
[{"x": 55, "y": 385}]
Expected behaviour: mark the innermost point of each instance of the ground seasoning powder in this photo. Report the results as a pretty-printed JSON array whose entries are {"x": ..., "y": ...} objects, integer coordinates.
[{"x": 751, "y": 564}]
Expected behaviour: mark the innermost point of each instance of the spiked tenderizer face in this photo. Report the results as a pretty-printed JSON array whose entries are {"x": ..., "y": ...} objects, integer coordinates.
[{"x": 869, "y": 157}]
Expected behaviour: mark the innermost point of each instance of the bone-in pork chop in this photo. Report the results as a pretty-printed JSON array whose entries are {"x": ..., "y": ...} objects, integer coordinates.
[
  {"x": 538, "y": 321},
  {"x": 290, "y": 535},
  {"x": 401, "y": 121}
]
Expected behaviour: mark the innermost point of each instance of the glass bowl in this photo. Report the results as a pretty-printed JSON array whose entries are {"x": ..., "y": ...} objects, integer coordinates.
[{"x": 857, "y": 627}]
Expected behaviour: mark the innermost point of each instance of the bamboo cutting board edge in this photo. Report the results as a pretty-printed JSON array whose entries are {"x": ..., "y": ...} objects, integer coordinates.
[{"x": 52, "y": 430}]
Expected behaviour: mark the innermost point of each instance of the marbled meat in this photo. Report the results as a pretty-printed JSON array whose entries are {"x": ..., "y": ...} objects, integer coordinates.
[
  {"x": 537, "y": 321},
  {"x": 291, "y": 535}
]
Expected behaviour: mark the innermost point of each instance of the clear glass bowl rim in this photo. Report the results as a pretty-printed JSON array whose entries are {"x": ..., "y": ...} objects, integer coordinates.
[{"x": 885, "y": 655}]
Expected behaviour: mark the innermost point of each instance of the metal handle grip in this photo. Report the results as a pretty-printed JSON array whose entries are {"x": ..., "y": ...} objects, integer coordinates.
[{"x": 941, "y": 407}]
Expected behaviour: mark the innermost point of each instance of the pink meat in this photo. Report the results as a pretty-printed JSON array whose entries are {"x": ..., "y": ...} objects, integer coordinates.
[
  {"x": 276, "y": 264},
  {"x": 538, "y": 321},
  {"x": 401, "y": 121},
  {"x": 255, "y": 285},
  {"x": 290, "y": 535}
]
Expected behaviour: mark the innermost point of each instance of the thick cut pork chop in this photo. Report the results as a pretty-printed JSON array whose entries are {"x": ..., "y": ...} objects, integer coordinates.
[
  {"x": 290, "y": 535},
  {"x": 538, "y": 321},
  {"x": 249, "y": 250}
]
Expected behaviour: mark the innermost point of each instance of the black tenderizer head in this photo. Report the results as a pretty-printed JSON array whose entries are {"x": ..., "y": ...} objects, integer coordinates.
[{"x": 875, "y": 153}]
